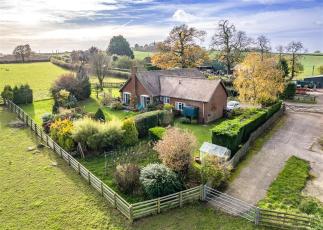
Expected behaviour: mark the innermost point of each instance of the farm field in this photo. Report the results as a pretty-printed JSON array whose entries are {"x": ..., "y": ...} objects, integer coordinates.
[
  {"x": 140, "y": 55},
  {"x": 308, "y": 62},
  {"x": 37, "y": 195},
  {"x": 39, "y": 76}
]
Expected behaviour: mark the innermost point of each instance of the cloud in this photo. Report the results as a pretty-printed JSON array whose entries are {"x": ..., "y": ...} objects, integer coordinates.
[{"x": 182, "y": 16}]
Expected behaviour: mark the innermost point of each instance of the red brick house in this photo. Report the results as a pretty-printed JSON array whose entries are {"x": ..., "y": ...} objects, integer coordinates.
[{"x": 179, "y": 87}]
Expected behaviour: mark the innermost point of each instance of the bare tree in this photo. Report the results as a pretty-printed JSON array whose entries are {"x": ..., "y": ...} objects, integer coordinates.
[
  {"x": 100, "y": 64},
  {"x": 22, "y": 51},
  {"x": 230, "y": 42},
  {"x": 295, "y": 49},
  {"x": 263, "y": 44},
  {"x": 280, "y": 50}
]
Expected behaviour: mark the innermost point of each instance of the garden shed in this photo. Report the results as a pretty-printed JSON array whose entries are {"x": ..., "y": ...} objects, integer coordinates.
[{"x": 214, "y": 150}]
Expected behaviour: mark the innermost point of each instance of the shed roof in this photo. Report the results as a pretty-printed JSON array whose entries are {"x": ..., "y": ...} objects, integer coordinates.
[{"x": 216, "y": 150}]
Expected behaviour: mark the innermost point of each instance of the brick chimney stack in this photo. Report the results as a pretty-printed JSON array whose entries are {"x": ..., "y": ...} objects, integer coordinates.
[{"x": 134, "y": 77}]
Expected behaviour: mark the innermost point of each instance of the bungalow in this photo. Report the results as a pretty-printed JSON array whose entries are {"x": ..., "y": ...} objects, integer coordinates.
[{"x": 179, "y": 87}]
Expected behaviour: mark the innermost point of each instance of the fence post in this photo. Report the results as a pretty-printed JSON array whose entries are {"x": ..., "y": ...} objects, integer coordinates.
[
  {"x": 69, "y": 159},
  {"x": 257, "y": 216},
  {"x": 115, "y": 199},
  {"x": 61, "y": 151},
  {"x": 89, "y": 176},
  {"x": 158, "y": 205},
  {"x": 101, "y": 188},
  {"x": 79, "y": 167},
  {"x": 180, "y": 199},
  {"x": 131, "y": 213}
]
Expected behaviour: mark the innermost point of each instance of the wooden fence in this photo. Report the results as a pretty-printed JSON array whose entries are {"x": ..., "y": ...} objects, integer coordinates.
[
  {"x": 108, "y": 85},
  {"x": 131, "y": 211},
  {"x": 258, "y": 216}
]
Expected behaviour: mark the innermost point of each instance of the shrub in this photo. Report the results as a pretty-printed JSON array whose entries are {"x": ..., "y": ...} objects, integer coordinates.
[
  {"x": 85, "y": 128},
  {"x": 168, "y": 107},
  {"x": 61, "y": 132},
  {"x": 99, "y": 115},
  {"x": 213, "y": 172},
  {"x": 151, "y": 119},
  {"x": 130, "y": 136},
  {"x": 289, "y": 91},
  {"x": 47, "y": 120},
  {"x": 19, "y": 95},
  {"x": 310, "y": 206},
  {"x": 158, "y": 180},
  {"x": 176, "y": 149},
  {"x": 65, "y": 99},
  {"x": 112, "y": 135},
  {"x": 117, "y": 106},
  {"x": 156, "y": 133},
  {"x": 185, "y": 120},
  {"x": 127, "y": 178},
  {"x": 273, "y": 109}
]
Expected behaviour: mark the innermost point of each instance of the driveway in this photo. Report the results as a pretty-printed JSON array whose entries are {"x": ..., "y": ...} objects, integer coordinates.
[{"x": 297, "y": 136}]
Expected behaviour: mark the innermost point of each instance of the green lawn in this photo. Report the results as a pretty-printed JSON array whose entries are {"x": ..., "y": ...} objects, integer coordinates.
[
  {"x": 140, "y": 55},
  {"x": 285, "y": 192},
  {"x": 308, "y": 62},
  {"x": 37, "y": 195},
  {"x": 39, "y": 76}
]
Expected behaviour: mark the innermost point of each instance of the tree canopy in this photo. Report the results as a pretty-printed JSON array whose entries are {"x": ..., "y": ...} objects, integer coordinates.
[
  {"x": 120, "y": 46},
  {"x": 180, "y": 49},
  {"x": 258, "y": 81},
  {"x": 22, "y": 51}
]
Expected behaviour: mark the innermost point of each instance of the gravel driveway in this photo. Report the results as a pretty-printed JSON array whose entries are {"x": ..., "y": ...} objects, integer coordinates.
[{"x": 297, "y": 137}]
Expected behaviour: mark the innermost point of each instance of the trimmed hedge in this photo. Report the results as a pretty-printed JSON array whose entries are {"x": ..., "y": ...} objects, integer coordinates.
[
  {"x": 151, "y": 119},
  {"x": 156, "y": 133},
  {"x": 232, "y": 133}
]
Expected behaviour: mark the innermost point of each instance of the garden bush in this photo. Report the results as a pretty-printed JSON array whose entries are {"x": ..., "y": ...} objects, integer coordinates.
[
  {"x": 151, "y": 119},
  {"x": 290, "y": 91},
  {"x": 65, "y": 99},
  {"x": 85, "y": 128},
  {"x": 127, "y": 178},
  {"x": 19, "y": 95},
  {"x": 47, "y": 120},
  {"x": 158, "y": 180},
  {"x": 61, "y": 132},
  {"x": 130, "y": 136},
  {"x": 168, "y": 107},
  {"x": 99, "y": 115},
  {"x": 112, "y": 135},
  {"x": 214, "y": 172},
  {"x": 156, "y": 133},
  {"x": 176, "y": 150},
  {"x": 273, "y": 109},
  {"x": 117, "y": 106}
]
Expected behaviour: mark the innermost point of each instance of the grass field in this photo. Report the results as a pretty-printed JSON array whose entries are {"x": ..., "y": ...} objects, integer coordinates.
[
  {"x": 37, "y": 195},
  {"x": 140, "y": 55},
  {"x": 39, "y": 76},
  {"x": 308, "y": 62}
]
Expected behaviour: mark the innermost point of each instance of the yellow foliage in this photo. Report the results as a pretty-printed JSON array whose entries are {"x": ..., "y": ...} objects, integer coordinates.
[{"x": 258, "y": 81}]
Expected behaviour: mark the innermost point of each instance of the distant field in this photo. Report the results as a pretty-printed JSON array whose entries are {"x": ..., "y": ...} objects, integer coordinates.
[
  {"x": 140, "y": 55},
  {"x": 38, "y": 75},
  {"x": 308, "y": 62}
]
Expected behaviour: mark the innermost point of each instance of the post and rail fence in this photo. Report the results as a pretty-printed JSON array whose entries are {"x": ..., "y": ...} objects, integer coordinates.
[{"x": 215, "y": 198}]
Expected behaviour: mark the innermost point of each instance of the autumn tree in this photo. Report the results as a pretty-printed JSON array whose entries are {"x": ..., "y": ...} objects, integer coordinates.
[
  {"x": 180, "y": 49},
  {"x": 295, "y": 49},
  {"x": 100, "y": 63},
  {"x": 230, "y": 43},
  {"x": 22, "y": 51},
  {"x": 258, "y": 81},
  {"x": 263, "y": 45}
]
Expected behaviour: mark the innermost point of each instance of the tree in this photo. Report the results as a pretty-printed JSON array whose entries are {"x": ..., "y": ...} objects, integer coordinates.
[
  {"x": 100, "y": 63},
  {"x": 230, "y": 42},
  {"x": 22, "y": 51},
  {"x": 176, "y": 149},
  {"x": 258, "y": 82},
  {"x": 280, "y": 50},
  {"x": 99, "y": 115},
  {"x": 180, "y": 49},
  {"x": 295, "y": 49},
  {"x": 119, "y": 45},
  {"x": 263, "y": 44},
  {"x": 93, "y": 50},
  {"x": 283, "y": 65}
]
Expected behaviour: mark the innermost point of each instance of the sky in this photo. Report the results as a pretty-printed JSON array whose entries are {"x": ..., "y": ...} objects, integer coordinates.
[{"x": 65, "y": 25}]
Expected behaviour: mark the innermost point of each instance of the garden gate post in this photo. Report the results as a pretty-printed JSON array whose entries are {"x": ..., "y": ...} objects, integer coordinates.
[{"x": 257, "y": 216}]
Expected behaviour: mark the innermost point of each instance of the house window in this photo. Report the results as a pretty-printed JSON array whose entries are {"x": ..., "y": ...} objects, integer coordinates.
[
  {"x": 179, "y": 105},
  {"x": 126, "y": 98},
  {"x": 144, "y": 100},
  {"x": 166, "y": 100}
]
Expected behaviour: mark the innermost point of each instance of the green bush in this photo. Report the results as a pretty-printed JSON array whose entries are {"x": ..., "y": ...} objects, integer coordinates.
[
  {"x": 158, "y": 180},
  {"x": 99, "y": 115},
  {"x": 273, "y": 109},
  {"x": 310, "y": 206},
  {"x": 61, "y": 132},
  {"x": 156, "y": 133},
  {"x": 290, "y": 91},
  {"x": 112, "y": 135},
  {"x": 84, "y": 129},
  {"x": 130, "y": 136},
  {"x": 168, "y": 107},
  {"x": 151, "y": 119},
  {"x": 185, "y": 120},
  {"x": 19, "y": 95},
  {"x": 117, "y": 106},
  {"x": 214, "y": 172},
  {"x": 127, "y": 178}
]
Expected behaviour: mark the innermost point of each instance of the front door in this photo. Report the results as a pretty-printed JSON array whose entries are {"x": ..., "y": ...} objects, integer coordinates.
[{"x": 144, "y": 100}]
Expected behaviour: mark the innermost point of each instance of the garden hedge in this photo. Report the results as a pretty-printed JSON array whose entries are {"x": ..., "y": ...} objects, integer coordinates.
[
  {"x": 156, "y": 133},
  {"x": 234, "y": 132},
  {"x": 151, "y": 119}
]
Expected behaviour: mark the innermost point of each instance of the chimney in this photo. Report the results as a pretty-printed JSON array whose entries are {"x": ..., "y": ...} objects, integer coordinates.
[{"x": 134, "y": 78}]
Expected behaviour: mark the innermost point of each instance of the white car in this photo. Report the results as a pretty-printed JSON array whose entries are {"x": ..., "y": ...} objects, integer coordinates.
[{"x": 232, "y": 105}]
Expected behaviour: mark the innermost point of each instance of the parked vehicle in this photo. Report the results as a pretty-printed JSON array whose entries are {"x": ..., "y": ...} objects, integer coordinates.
[{"x": 232, "y": 105}]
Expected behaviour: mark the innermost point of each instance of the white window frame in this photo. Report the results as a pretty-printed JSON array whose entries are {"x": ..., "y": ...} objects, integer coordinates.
[
  {"x": 126, "y": 98},
  {"x": 166, "y": 100},
  {"x": 143, "y": 100},
  {"x": 179, "y": 105}
]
